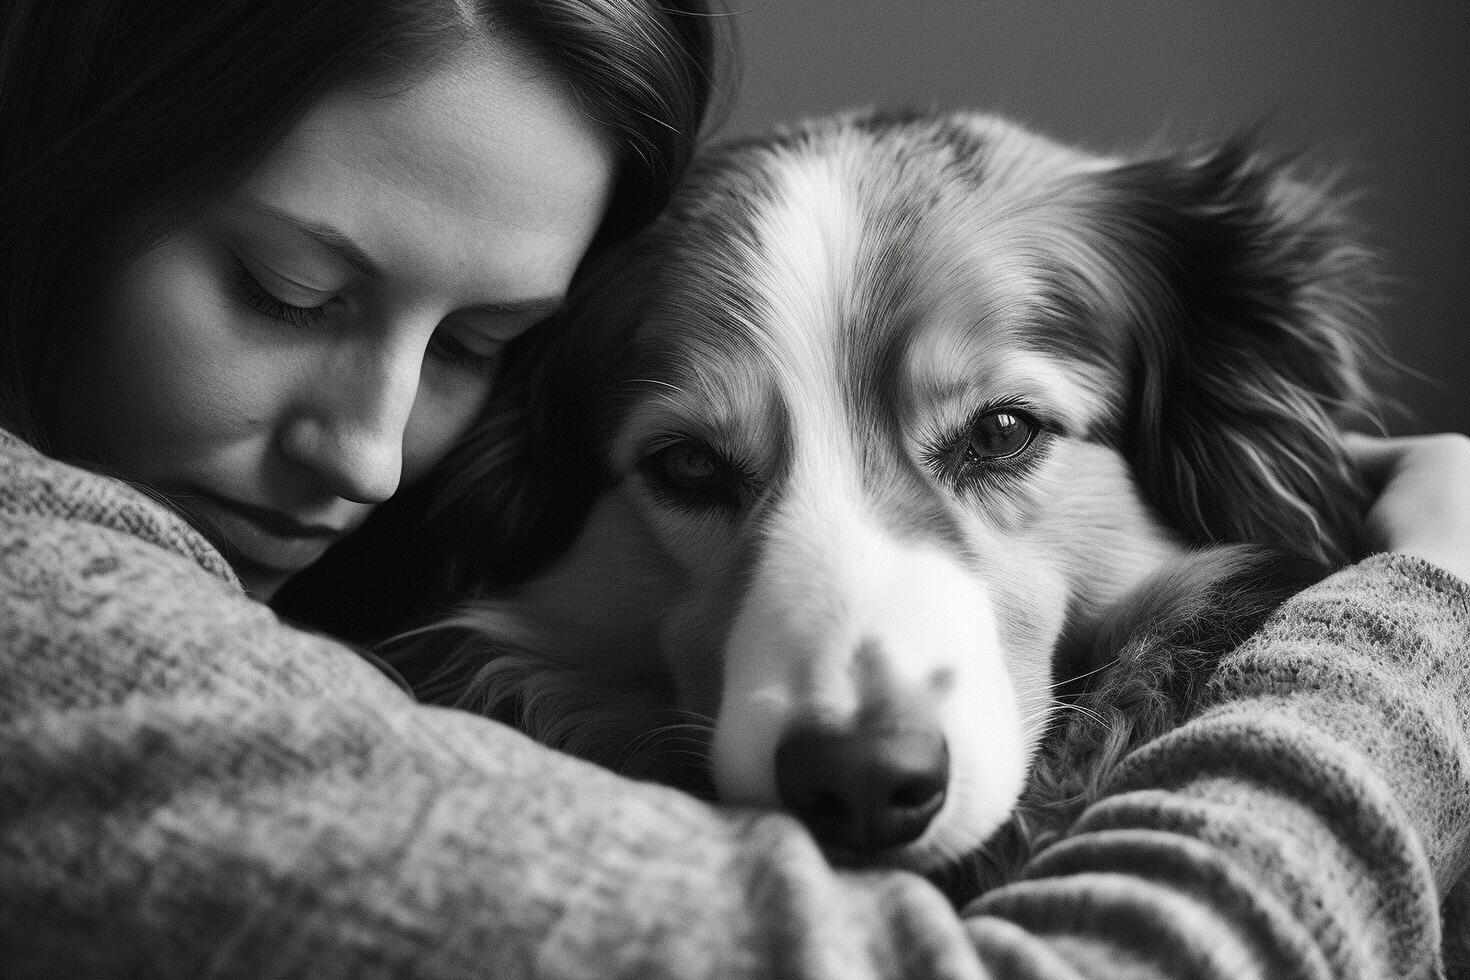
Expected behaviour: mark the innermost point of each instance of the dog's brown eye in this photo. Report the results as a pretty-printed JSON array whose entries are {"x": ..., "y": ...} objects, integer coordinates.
[
  {"x": 1000, "y": 435},
  {"x": 689, "y": 464},
  {"x": 694, "y": 475}
]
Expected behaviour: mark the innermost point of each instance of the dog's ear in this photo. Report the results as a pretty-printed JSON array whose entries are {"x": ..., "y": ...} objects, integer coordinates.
[
  {"x": 514, "y": 493},
  {"x": 504, "y": 502},
  {"x": 1250, "y": 347},
  {"x": 508, "y": 500}
]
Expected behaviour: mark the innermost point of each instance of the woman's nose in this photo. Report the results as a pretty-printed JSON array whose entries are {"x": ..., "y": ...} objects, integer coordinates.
[{"x": 350, "y": 421}]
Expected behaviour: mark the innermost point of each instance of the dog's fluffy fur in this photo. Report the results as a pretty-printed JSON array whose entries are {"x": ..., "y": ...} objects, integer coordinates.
[{"x": 900, "y": 430}]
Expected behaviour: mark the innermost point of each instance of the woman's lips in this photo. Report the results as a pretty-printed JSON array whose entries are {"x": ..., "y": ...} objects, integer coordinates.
[{"x": 269, "y": 539}]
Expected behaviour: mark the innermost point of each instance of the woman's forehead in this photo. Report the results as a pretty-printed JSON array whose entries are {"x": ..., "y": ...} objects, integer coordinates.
[{"x": 482, "y": 179}]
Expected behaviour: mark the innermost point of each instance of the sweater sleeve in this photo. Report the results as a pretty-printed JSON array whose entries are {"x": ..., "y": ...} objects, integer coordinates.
[
  {"x": 1305, "y": 824},
  {"x": 190, "y": 788}
]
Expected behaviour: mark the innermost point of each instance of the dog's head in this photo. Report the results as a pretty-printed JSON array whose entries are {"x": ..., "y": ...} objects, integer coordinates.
[{"x": 884, "y": 406}]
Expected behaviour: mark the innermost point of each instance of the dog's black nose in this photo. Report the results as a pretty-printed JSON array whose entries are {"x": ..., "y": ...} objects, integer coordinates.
[{"x": 863, "y": 789}]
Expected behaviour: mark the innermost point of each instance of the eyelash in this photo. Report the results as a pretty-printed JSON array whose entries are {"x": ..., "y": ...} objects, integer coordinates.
[
  {"x": 262, "y": 301},
  {"x": 947, "y": 459},
  {"x": 453, "y": 352}
]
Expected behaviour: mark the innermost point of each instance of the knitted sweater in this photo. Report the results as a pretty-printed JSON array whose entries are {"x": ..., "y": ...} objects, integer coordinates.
[{"x": 190, "y": 788}]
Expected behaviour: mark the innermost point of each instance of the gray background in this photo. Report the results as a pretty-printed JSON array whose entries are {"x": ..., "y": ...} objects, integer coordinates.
[{"x": 1381, "y": 87}]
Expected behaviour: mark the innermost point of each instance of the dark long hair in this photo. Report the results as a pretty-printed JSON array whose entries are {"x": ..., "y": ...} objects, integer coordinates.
[
  {"x": 126, "y": 113},
  {"x": 117, "y": 112}
]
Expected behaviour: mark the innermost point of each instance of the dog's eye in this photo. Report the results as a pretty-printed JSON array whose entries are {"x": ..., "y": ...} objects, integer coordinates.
[
  {"x": 688, "y": 464},
  {"x": 1000, "y": 435},
  {"x": 694, "y": 474}
]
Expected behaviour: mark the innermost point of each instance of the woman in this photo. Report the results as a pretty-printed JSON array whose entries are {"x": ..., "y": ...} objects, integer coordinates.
[
  {"x": 311, "y": 170},
  {"x": 259, "y": 263}
]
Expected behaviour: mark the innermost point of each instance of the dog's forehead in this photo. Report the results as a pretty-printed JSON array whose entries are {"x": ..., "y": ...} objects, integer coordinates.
[{"x": 858, "y": 253}]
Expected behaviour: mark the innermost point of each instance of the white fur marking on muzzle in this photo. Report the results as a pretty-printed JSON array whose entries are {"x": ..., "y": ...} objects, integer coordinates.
[{"x": 842, "y": 618}]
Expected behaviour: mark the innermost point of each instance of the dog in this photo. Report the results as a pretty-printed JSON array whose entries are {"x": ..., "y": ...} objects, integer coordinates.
[{"x": 897, "y": 435}]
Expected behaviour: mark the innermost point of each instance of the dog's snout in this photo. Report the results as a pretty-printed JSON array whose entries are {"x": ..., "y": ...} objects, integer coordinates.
[{"x": 864, "y": 789}]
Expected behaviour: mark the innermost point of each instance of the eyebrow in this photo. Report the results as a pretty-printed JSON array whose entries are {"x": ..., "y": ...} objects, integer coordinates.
[
  {"x": 541, "y": 305},
  {"x": 350, "y": 252},
  {"x": 327, "y": 236}
]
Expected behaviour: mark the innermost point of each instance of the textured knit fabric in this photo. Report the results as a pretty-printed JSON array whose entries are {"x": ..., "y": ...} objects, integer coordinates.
[{"x": 189, "y": 788}]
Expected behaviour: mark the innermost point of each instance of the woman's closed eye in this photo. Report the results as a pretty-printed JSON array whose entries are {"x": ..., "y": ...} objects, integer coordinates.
[
  {"x": 454, "y": 351},
  {"x": 474, "y": 338},
  {"x": 455, "y": 345},
  {"x": 265, "y": 302}
]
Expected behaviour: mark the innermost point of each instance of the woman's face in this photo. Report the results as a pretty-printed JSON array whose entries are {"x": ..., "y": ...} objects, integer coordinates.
[{"x": 285, "y": 359}]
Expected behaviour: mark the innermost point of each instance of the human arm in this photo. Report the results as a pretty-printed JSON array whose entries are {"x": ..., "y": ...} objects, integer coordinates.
[
  {"x": 191, "y": 789},
  {"x": 1310, "y": 819},
  {"x": 1306, "y": 822}
]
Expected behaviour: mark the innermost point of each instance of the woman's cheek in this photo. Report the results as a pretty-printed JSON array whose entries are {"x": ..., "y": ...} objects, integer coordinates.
[{"x": 168, "y": 364}]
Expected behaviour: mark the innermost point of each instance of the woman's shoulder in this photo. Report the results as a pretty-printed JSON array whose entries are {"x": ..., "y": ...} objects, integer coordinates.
[{"x": 44, "y": 500}]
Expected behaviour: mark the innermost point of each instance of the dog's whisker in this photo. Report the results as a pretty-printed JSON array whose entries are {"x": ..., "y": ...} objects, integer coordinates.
[
  {"x": 697, "y": 718},
  {"x": 1074, "y": 678},
  {"x": 1091, "y": 714},
  {"x": 670, "y": 747},
  {"x": 674, "y": 740}
]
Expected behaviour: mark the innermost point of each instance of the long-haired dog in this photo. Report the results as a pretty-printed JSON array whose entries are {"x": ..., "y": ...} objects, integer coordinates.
[{"x": 889, "y": 430}]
